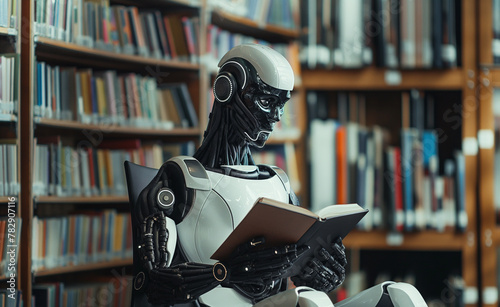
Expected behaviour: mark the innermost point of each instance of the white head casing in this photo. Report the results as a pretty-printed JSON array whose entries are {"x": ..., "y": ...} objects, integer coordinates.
[{"x": 271, "y": 66}]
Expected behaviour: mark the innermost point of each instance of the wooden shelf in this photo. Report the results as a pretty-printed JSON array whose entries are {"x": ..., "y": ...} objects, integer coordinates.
[
  {"x": 50, "y": 49},
  {"x": 84, "y": 267},
  {"x": 5, "y": 199},
  {"x": 161, "y": 3},
  {"x": 250, "y": 27},
  {"x": 115, "y": 129},
  {"x": 372, "y": 78},
  {"x": 425, "y": 240},
  {"x": 8, "y": 31},
  {"x": 80, "y": 199},
  {"x": 8, "y": 118}
]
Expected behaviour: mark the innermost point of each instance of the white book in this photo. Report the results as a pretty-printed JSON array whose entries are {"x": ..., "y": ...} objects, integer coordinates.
[
  {"x": 323, "y": 166},
  {"x": 408, "y": 37},
  {"x": 14, "y": 188},
  {"x": 369, "y": 182},
  {"x": 351, "y": 32},
  {"x": 427, "y": 51},
  {"x": 76, "y": 166},
  {"x": 4, "y": 13},
  {"x": 377, "y": 212},
  {"x": 85, "y": 172},
  {"x": 3, "y": 171},
  {"x": 69, "y": 21},
  {"x": 34, "y": 243}
]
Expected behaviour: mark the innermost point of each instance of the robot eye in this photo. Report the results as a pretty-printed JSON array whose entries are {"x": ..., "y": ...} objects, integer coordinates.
[{"x": 265, "y": 103}]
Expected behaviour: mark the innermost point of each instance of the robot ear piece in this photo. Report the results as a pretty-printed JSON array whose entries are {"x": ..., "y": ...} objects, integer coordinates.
[
  {"x": 224, "y": 87},
  {"x": 232, "y": 74}
]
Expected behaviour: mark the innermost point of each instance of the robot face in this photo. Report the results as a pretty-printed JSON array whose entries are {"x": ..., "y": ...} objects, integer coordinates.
[{"x": 266, "y": 104}]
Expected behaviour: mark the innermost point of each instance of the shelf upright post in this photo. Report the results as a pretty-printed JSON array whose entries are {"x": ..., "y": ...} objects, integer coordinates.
[
  {"x": 469, "y": 148},
  {"x": 487, "y": 81},
  {"x": 26, "y": 143}
]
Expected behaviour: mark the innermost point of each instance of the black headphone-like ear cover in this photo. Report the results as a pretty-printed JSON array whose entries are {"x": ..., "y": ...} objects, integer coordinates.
[
  {"x": 224, "y": 87},
  {"x": 231, "y": 74}
]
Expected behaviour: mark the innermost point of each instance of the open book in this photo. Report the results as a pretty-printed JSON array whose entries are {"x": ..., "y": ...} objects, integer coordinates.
[{"x": 281, "y": 223}]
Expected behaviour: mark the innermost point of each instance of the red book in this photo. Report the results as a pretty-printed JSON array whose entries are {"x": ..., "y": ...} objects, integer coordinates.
[
  {"x": 170, "y": 36},
  {"x": 398, "y": 190},
  {"x": 341, "y": 165},
  {"x": 189, "y": 36}
]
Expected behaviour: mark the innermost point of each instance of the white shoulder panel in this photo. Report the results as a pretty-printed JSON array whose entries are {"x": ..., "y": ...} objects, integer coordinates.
[{"x": 195, "y": 174}]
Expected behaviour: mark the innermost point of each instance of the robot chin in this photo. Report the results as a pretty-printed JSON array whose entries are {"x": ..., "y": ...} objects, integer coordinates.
[{"x": 260, "y": 139}]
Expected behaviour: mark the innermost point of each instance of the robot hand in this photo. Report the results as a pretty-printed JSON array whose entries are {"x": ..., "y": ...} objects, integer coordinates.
[
  {"x": 325, "y": 272},
  {"x": 249, "y": 265}
]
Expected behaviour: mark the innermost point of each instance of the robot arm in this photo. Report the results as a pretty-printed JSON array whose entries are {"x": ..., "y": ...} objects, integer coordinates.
[{"x": 158, "y": 207}]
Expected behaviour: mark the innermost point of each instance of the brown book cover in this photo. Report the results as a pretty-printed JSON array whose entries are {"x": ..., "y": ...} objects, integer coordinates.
[
  {"x": 281, "y": 223},
  {"x": 179, "y": 37},
  {"x": 168, "y": 100}
]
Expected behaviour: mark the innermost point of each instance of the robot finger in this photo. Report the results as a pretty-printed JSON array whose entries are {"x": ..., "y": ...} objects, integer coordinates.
[{"x": 338, "y": 251}]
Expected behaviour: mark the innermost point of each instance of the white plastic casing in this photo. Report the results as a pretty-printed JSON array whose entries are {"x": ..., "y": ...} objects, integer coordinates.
[
  {"x": 271, "y": 66},
  {"x": 216, "y": 212}
]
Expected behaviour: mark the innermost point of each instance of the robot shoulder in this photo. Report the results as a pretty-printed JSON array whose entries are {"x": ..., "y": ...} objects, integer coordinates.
[
  {"x": 189, "y": 171},
  {"x": 274, "y": 170}
]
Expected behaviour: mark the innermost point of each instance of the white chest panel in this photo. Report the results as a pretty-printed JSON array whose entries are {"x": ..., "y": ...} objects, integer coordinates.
[{"x": 217, "y": 211}]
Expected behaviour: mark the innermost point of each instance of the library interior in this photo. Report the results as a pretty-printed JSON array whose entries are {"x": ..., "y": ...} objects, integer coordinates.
[{"x": 392, "y": 106}]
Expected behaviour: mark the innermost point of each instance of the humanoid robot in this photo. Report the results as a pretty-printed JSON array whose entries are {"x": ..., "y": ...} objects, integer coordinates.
[{"x": 193, "y": 203}]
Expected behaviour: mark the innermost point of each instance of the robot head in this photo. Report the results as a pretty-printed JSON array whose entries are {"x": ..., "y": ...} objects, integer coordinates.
[{"x": 254, "y": 81}]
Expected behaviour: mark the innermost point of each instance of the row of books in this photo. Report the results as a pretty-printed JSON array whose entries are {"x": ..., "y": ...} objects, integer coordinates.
[
  {"x": 118, "y": 28},
  {"x": 9, "y": 64},
  {"x": 9, "y": 10},
  {"x": 220, "y": 41},
  {"x": 283, "y": 13},
  {"x": 80, "y": 239},
  {"x": 110, "y": 291},
  {"x": 14, "y": 300},
  {"x": 64, "y": 170},
  {"x": 389, "y": 33},
  {"x": 401, "y": 181},
  {"x": 10, "y": 234},
  {"x": 111, "y": 98},
  {"x": 9, "y": 183}
]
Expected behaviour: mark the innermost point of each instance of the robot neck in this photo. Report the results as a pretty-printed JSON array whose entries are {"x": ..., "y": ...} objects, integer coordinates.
[{"x": 223, "y": 144}]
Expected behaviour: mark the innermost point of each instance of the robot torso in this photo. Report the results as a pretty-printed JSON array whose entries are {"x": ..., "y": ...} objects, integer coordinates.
[{"x": 221, "y": 201}]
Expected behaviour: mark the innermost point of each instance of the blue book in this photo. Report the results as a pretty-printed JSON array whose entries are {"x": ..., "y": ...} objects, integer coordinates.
[
  {"x": 407, "y": 138},
  {"x": 429, "y": 146}
]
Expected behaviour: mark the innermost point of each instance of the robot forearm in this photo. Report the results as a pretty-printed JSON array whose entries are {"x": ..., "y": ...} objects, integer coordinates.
[{"x": 183, "y": 282}]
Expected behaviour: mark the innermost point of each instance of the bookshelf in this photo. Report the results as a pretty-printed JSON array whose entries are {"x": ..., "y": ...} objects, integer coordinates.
[
  {"x": 385, "y": 81},
  {"x": 84, "y": 267},
  {"x": 488, "y": 80},
  {"x": 64, "y": 53},
  {"x": 199, "y": 75},
  {"x": 10, "y": 205}
]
